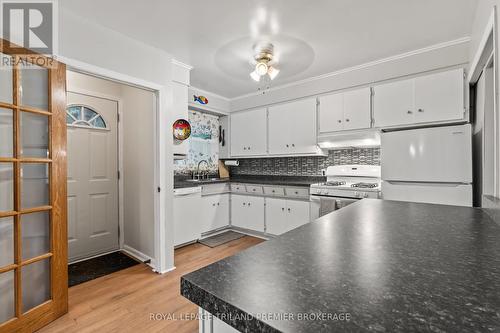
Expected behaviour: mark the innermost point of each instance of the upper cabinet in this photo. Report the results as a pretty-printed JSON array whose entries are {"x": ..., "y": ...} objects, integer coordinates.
[
  {"x": 292, "y": 128},
  {"x": 249, "y": 133},
  {"x": 426, "y": 99},
  {"x": 350, "y": 110}
]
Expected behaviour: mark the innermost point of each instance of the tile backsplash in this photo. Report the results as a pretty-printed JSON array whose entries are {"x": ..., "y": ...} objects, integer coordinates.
[{"x": 306, "y": 166}]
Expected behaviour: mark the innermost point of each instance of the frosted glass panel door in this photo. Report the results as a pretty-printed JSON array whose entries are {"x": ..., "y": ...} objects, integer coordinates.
[{"x": 33, "y": 249}]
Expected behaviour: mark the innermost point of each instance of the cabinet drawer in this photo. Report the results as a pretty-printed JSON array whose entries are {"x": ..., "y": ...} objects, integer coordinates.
[
  {"x": 270, "y": 190},
  {"x": 238, "y": 188},
  {"x": 254, "y": 189},
  {"x": 297, "y": 192}
]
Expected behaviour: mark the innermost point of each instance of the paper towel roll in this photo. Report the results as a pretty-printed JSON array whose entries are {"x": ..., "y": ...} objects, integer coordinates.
[{"x": 232, "y": 163}]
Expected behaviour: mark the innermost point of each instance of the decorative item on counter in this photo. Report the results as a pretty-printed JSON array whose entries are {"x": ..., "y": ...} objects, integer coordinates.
[
  {"x": 181, "y": 129},
  {"x": 200, "y": 99}
]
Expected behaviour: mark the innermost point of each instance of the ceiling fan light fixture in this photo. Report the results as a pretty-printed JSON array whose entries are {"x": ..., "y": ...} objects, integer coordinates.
[
  {"x": 261, "y": 68},
  {"x": 273, "y": 72},
  {"x": 255, "y": 76}
]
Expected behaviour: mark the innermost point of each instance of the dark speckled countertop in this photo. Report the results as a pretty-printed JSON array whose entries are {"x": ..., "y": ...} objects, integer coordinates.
[
  {"x": 306, "y": 181},
  {"x": 391, "y": 266}
]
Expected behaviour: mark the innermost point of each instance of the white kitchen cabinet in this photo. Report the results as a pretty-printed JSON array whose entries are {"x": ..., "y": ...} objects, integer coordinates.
[
  {"x": 439, "y": 97},
  {"x": 186, "y": 219},
  {"x": 249, "y": 133},
  {"x": 431, "y": 98},
  {"x": 247, "y": 212},
  {"x": 214, "y": 212},
  {"x": 331, "y": 113},
  {"x": 393, "y": 103},
  {"x": 357, "y": 109},
  {"x": 224, "y": 151},
  {"x": 350, "y": 110},
  {"x": 299, "y": 212},
  {"x": 284, "y": 215},
  {"x": 292, "y": 128}
]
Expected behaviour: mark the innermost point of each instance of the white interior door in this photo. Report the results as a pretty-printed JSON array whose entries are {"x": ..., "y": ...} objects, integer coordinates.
[{"x": 92, "y": 176}]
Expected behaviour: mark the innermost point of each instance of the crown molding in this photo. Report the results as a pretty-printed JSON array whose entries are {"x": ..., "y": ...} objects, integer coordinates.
[
  {"x": 181, "y": 64},
  {"x": 434, "y": 47}
]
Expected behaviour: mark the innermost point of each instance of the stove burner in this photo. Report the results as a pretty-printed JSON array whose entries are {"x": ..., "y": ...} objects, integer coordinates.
[
  {"x": 335, "y": 183},
  {"x": 365, "y": 185}
]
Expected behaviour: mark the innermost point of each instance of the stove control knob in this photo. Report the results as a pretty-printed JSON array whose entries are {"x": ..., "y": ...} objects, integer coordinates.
[
  {"x": 357, "y": 194},
  {"x": 365, "y": 195}
]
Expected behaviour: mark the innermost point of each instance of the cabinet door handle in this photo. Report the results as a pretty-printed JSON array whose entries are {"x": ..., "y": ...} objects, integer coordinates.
[
  {"x": 293, "y": 144},
  {"x": 339, "y": 121},
  {"x": 296, "y": 192},
  {"x": 248, "y": 148},
  {"x": 420, "y": 110},
  {"x": 244, "y": 148},
  {"x": 273, "y": 191},
  {"x": 287, "y": 146},
  {"x": 410, "y": 112},
  {"x": 347, "y": 120},
  {"x": 249, "y": 204},
  {"x": 289, "y": 210},
  {"x": 254, "y": 190},
  {"x": 213, "y": 205},
  {"x": 218, "y": 204},
  {"x": 283, "y": 209},
  {"x": 244, "y": 204}
]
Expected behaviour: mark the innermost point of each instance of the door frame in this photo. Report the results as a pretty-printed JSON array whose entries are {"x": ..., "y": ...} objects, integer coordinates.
[
  {"x": 486, "y": 51},
  {"x": 163, "y": 258},
  {"x": 119, "y": 132}
]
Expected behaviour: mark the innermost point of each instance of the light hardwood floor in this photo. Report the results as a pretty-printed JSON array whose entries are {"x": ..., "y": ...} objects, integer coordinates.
[{"x": 124, "y": 301}]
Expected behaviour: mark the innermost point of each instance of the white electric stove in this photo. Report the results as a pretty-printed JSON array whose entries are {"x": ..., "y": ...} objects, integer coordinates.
[{"x": 345, "y": 184}]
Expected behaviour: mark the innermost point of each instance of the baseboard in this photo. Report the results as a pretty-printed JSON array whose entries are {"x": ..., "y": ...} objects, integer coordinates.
[
  {"x": 139, "y": 256},
  {"x": 167, "y": 270},
  {"x": 249, "y": 232}
]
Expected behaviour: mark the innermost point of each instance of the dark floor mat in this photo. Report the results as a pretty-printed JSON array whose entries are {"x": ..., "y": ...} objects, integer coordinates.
[
  {"x": 220, "y": 239},
  {"x": 90, "y": 269}
]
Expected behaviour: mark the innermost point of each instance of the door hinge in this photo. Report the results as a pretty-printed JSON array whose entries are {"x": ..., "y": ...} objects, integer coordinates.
[
  {"x": 159, "y": 189},
  {"x": 118, "y": 173},
  {"x": 118, "y": 117}
]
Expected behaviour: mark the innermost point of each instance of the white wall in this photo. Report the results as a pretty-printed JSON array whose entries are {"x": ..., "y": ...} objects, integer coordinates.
[
  {"x": 431, "y": 58},
  {"x": 138, "y": 148},
  {"x": 98, "y": 49}
]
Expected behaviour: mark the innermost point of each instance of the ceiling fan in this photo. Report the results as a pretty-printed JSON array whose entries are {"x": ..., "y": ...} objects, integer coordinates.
[{"x": 264, "y": 62}]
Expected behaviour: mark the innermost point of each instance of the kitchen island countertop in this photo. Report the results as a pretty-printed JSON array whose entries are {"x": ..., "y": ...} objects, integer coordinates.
[{"x": 384, "y": 265}]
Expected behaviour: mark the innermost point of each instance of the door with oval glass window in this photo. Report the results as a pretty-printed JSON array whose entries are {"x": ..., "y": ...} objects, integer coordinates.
[
  {"x": 33, "y": 226},
  {"x": 92, "y": 176}
]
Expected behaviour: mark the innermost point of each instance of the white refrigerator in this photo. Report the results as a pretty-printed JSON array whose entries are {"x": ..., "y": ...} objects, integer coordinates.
[{"x": 432, "y": 165}]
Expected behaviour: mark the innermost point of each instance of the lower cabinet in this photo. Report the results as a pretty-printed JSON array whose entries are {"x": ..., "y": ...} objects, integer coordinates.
[
  {"x": 284, "y": 215},
  {"x": 214, "y": 212},
  {"x": 247, "y": 212}
]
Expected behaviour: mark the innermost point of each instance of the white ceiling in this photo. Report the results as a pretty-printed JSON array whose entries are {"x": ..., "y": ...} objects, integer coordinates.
[{"x": 312, "y": 37}]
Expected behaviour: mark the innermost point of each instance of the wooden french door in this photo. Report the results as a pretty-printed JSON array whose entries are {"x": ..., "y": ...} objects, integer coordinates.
[{"x": 33, "y": 231}]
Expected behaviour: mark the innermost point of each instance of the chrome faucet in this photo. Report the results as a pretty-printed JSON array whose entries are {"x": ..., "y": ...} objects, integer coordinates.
[{"x": 197, "y": 175}]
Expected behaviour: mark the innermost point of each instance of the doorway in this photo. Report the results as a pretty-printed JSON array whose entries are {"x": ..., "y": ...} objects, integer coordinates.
[{"x": 111, "y": 171}]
